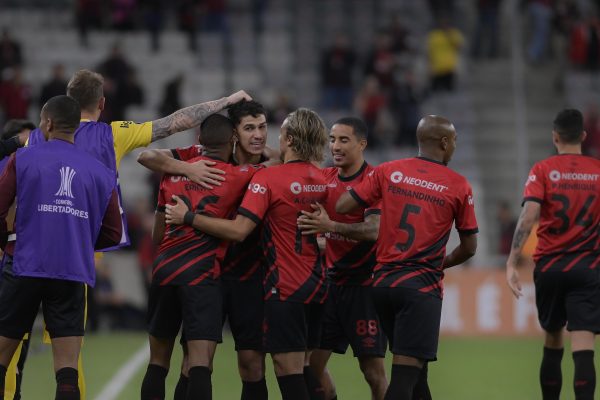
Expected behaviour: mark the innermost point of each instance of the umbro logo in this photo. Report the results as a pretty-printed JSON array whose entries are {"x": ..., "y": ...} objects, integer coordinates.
[{"x": 66, "y": 179}]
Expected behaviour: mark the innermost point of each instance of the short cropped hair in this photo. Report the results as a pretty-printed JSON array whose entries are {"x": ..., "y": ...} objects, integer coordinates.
[
  {"x": 15, "y": 126},
  {"x": 308, "y": 134},
  {"x": 216, "y": 130},
  {"x": 569, "y": 125},
  {"x": 358, "y": 126},
  {"x": 244, "y": 108},
  {"x": 87, "y": 87},
  {"x": 64, "y": 112}
]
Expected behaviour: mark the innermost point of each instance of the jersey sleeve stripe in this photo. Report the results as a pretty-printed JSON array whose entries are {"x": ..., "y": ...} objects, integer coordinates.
[
  {"x": 175, "y": 154},
  {"x": 372, "y": 212},
  {"x": 468, "y": 231},
  {"x": 249, "y": 214},
  {"x": 357, "y": 198},
  {"x": 531, "y": 198}
]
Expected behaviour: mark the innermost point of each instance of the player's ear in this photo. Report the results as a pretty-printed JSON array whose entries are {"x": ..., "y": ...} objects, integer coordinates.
[
  {"x": 444, "y": 142},
  {"x": 583, "y": 136},
  {"x": 363, "y": 144},
  {"x": 555, "y": 138},
  {"x": 101, "y": 103}
]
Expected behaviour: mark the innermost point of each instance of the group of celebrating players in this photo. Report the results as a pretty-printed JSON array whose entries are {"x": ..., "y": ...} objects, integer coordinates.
[{"x": 302, "y": 261}]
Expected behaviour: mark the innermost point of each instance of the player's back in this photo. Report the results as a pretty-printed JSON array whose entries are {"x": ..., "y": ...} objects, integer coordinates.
[
  {"x": 294, "y": 269},
  {"x": 568, "y": 189},
  {"x": 183, "y": 245},
  {"x": 420, "y": 201}
]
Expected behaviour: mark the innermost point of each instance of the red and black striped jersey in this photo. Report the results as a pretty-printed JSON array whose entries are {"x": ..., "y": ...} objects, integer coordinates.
[
  {"x": 187, "y": 256},
  {"x": 420, "y": 200},
  {"x": 349, "y": 262},
  {"x": 242, "y": 261},
  {"x": 276, "y": 195},
  {"x": 568, "y": 188}
]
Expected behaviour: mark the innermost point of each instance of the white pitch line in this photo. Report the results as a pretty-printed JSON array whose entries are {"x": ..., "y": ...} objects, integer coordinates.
[{"x": 124, "y": 374}]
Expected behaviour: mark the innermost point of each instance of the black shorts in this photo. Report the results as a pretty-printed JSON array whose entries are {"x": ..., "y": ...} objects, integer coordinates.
[
  {"x": 568, "y": 298},
  {"x": 291, "y": 327},
  {"x": 351, "y": 319},
  {"x": 410, "y": 320},
  {"x": 243, "y": 306},
  {"x": 63, "y": 305},
  {"x": 198, "y": 307}
]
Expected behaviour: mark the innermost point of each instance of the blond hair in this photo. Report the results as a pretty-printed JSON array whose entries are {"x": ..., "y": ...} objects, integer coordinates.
[
  {"x": 308, "y": 134},
  {"x": 87, "y": 88}
]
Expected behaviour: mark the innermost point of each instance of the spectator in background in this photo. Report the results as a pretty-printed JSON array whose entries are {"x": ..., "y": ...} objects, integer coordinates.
[
  {"x": 214, "y": 16},
  {"x": 15, "y": 95},
  {"x": 441, "y": 8},
  {"x": 485, "y": 40},
  {"x": 406, "y": 108},
  {"x": 10, "y": 52},
  {"x": 591, "y": 145},
  {"x": 115, "y": 67},
  {"x": 541, "y": 13},
  {"x": 122, "y": 14},
  {"x": 369, "y": 103},
  {"x": 506, "y": 225},
  {"x": 443, "y": 48},
  {"x": 188, "y": 12},
  {"x": 56, "y": 86},
  {"x": 171, "y": 98},
  {"x": 129, "y": 92},
  {"x": 280, "y": 110},
  {"x": 399, "y": 35},
  {"x": 593, "y": 45},
  {"x": 381, "y": 62},
  {"x": 88, "y": 14},
  {"x": 337, "y": 67},
  {"x": 153, "y": 15}
]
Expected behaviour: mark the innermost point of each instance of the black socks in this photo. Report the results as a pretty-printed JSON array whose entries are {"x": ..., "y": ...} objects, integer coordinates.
[
  {"x": 293, "y": 387},
  {"x": 181, "y": 388},
  {"x": 199, "y": 384},
  {"x": 585, "y": 375},
  {"x": 255, "y": 390},
  {"x": 551, "y": 374},
  {"x": 153, "y": 385},
  {"x": 421, "y": 390},
  {"x": 404, "y": 379},
  {"x": 67, "y": 385},
  {"x": 315, "y": 390}
]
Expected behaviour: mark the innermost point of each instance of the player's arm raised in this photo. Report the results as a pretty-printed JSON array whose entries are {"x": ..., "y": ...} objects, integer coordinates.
[
  {"x": 201, "y": 172},
  {"x": 192, "y": 116},
  {"x": 528, "y": 218},
  {"x": 235, "y": 230},
  {"x": 319, "y": 222}
]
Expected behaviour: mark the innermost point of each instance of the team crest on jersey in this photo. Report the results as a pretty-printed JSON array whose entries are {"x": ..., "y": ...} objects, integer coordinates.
[
  {"x": 396, "y": 177},
  {"x": 296, "y": 188},
  {"x": 66, "y": 179},
  {"x": 554, "y": 175}
]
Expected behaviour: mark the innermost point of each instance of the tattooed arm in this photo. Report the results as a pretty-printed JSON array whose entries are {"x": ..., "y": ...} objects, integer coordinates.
[
  {"x": 319, "y": 222},
  {"x": 529, "y": 216},
  {"x": 192, "y": 116}
]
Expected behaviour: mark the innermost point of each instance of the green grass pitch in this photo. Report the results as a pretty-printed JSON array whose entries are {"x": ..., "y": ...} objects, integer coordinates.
[{"x": 468, "y": 369}]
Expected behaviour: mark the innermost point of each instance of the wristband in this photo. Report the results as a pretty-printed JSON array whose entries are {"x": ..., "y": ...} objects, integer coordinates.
[{"x": 188, "y": 218}]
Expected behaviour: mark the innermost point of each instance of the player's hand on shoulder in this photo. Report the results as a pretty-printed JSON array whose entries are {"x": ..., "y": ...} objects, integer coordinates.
[
  {"x": 237, "y": 97},
  {"x": 174, "y": 213},
  {"x": 203, "y": 173}
]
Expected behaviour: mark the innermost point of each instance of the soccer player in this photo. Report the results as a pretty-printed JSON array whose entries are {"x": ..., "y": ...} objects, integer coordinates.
[
  {"x": 241, "y": 275},
  {"x": 562, "y": 193},
  {"x": 185, "y": 278},
  {"x": 294, "y": 283},
  {"x": 350, "y": 315},
  {"x": 420, "y": 199},
  {"x": 110, "y": 143},
  {"x": 67, "y": 205},
  {"x": 14, "y": 135}
]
